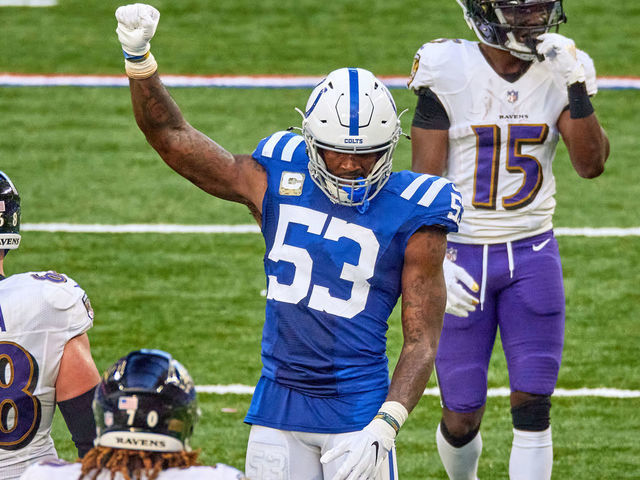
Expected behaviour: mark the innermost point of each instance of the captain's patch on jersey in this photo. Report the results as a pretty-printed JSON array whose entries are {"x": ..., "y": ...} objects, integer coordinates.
[
  {"x": 291, "y": 184},
  {"x": 87, "y": 305},
  {"x": 414, "y": 68}
]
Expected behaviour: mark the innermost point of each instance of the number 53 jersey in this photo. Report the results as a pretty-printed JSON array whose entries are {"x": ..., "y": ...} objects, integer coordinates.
[
  {"x": 502, "y": 137},
  {"x": 334, "y": 274},
  {"x": 39, "y": 313}
]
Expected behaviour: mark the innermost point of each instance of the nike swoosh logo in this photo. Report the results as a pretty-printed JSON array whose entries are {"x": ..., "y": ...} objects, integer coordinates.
[
  {"x": 375, "y": 444},
  {"x": 540, "y": 246}
]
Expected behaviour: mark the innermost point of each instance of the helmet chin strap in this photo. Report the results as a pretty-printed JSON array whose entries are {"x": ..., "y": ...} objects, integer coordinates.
[{"x": 358, "y": 195}]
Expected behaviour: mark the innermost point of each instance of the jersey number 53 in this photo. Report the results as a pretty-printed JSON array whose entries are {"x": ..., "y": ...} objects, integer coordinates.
[{"x": 320, "y": 298}]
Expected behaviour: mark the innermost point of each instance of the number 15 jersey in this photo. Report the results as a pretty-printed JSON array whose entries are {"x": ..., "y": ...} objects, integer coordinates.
[{"x": 502, "y": 138}]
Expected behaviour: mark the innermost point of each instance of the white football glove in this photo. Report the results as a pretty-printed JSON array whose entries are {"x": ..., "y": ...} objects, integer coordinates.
[
  {"x": 459, "y": 301},
  {"x": 365, "y": 451},
  {"x": 137, "y": 24},
  {"x": 560, "y": 52}
]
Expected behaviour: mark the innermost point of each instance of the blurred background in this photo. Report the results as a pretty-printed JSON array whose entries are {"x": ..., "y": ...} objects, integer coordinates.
[{"x": 76, "y": 156}]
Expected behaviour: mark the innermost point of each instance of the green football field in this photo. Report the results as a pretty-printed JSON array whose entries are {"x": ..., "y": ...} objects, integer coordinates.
[{"x": 77, "y": 157}]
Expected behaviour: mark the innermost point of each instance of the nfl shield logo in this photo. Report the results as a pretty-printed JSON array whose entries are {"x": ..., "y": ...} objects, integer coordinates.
[
  {"x": 452, "y": 254},
  {"x": 512, "y": 96}
]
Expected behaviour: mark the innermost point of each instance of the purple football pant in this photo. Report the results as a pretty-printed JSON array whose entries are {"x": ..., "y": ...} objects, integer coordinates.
[{"x": 526, "y": 302}]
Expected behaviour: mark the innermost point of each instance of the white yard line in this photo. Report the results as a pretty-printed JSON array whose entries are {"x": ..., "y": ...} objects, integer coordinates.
[
  {"x": 238, "y": 389},
  {"x": 229, "y": 81},
  {"x": 28, "y": 3},
  {"x": 252, "y": 228},
  {"x": 137, "y": 228}
]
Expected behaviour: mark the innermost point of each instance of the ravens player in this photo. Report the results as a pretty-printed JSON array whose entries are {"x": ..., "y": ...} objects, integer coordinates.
[
  {"x": 145, "y": 409},
  {"x": 489, "y": 117},
  {"x": 344, "y": 238},
  {"x": 45, "y": 356}
]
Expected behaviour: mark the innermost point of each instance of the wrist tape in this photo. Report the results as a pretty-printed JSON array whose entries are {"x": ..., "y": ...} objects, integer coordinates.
[
  {"x": 579, "y": 101},
  {"x": 141, "y": 66},
  {"x": 393, "y": 413}
]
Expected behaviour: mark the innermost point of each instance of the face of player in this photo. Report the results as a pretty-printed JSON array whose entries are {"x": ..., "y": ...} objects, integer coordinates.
[
  {"x": 349, "y": 165},
  {"x": 528, "y": 21}
]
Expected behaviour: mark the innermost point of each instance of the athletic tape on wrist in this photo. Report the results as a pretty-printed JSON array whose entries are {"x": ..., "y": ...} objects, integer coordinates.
[
  {"x": 141, "y": 69},
  {"x": 394, "y": 413},
  {"x": 136, "y": 58},
  {"x": 579, "y": 102}
]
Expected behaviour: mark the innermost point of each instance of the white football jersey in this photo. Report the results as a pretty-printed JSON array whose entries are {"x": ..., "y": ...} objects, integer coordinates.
[
  {"x": 502, "y": 138},
  {"x": 39, "y": 313},
  {"x": 65, "y": 471}
]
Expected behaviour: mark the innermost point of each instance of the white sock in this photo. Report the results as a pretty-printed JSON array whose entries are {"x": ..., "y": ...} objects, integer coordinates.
[
  {"x": 459, "y": 463},
  {"x": 531, "y": 455}
]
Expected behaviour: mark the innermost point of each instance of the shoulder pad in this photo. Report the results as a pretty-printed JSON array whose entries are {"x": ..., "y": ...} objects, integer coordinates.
[
  {"x": 60, "y": 291},
  {"x": 435, "y": 197},
  {"x": 284, "y": 146},
  {"x": 433, "y": 66},
  {"x": 589, "y": 71}
]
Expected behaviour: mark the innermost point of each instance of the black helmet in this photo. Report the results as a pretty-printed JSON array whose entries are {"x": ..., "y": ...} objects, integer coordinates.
[
  {"x": 513, "y": 25},
  {"x": 9, "y": 214},
  {"x": 146, "y": 401}
]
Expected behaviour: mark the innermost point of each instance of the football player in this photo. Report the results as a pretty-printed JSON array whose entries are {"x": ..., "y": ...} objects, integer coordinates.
[
  {"x": 344, "y": 238},
  {"x": 489, "y": 116},
  {"x": 145, "y": 410},
  {"x": 45, "y": 356}
]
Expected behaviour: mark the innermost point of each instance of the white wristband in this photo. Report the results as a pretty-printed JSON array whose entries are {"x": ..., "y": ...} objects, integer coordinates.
[
  {"x": 394, "y": 413},
  {"x": 143, "y": 69}
]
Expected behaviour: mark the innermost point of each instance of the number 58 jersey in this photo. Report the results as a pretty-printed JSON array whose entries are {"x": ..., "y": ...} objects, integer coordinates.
[
  {"x": 39, "y": 313},
  {"x": 502, "y": 137},
  {"x": 334, "y": 272}
]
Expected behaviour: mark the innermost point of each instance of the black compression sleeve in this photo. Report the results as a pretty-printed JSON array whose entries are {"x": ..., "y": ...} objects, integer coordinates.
[
  {"x": 579, "y": 103},
  {"x": 430, "y": 114},
  {"x": 78, "y": 415}
]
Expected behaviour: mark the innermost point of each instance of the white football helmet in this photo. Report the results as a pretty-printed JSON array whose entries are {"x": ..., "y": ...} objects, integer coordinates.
[{"x": 351, "y": 111}]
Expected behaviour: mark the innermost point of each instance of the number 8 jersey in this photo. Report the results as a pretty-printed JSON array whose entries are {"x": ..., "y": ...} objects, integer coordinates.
[
  {"x": 39, "y": 313},
  {"x": 502, "y": 137},
  {"x": 334, "y": 276}
]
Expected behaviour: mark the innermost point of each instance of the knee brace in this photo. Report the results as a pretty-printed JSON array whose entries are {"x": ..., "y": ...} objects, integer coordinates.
[
  {"x": 458, "y": 442},
  {"x": 533, "y": 415}
]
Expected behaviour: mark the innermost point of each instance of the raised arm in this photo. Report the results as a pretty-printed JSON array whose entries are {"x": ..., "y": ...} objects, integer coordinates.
[
  {"x": 586, "y": 142},
  {"x": 585, "y": 139},
  {"x": 189, "y": 152}
]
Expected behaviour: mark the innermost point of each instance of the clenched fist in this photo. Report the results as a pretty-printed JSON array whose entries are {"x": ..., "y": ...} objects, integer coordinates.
[{"x": 137, "y": 24}]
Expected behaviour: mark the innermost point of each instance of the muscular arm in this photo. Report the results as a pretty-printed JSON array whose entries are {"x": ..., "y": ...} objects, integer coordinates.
[
  {"x": 78, "y": 372},
  {"x": 429, "y": 150},
  {"x": 586, "y": 142},
  {"x": 192, "y": 154},
  {"x": 77, "y": 378},
  {"x": 423, "y": 302}
]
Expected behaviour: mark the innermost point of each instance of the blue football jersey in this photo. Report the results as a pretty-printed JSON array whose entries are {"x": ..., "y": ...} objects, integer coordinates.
[{"x": 334, "y": 276}]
